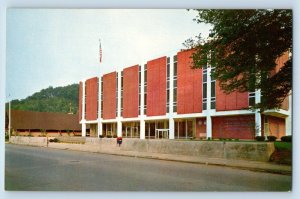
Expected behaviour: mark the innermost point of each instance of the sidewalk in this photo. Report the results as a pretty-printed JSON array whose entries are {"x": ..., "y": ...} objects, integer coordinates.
[{"x": 240, "y": 164}]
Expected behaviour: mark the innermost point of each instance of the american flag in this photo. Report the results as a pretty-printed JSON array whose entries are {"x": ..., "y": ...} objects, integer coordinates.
[{"x": 100, "y": 51}]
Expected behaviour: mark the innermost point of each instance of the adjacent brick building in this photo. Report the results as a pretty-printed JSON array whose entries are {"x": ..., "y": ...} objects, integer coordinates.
[{"x": 166, "y": 98}]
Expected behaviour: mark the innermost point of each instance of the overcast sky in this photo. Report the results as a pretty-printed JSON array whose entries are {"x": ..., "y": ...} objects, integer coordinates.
[{"x": 60, "y": 47}]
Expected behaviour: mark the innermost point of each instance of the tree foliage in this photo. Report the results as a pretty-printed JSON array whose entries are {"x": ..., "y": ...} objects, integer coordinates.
[
  {"x": 243, "y": 45},
  {"x": 58, "y": 99}
]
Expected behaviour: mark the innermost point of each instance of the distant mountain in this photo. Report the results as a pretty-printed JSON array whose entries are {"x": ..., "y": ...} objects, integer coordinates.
[{"x": 60, "y": 99}]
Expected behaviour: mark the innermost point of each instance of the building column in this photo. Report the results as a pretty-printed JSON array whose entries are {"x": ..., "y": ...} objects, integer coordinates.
[
  {"x": 171, "y": 128},
  {"x": 208, "y": 127},
  {"x": 288, "y": 120},
  {"x": 208, "y": 103},
  {"x": 142, "y": 129},
  {"x": 99, "y": 129},
  {"x": 257, "y": 114},
  {"x": 119, "y": 129},
  {"x": 83, "y": 129}
]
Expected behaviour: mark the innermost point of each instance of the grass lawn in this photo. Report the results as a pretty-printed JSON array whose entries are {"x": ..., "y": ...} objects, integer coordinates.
[
  {"x": 283, "y": 153},
  {"x": 283, "y": 146}
]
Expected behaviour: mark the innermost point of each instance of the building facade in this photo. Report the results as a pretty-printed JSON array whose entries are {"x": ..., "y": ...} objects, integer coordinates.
[{"x": 166, "y": 99}]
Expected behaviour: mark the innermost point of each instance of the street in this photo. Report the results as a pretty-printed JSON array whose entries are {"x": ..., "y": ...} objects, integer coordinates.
[{"x": 44, "y": 169}]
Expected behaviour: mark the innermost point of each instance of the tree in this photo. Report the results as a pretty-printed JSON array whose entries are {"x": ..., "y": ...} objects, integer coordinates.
[
  {"x": 50, "y": 100},
  {"x": 244, "y": 45}
]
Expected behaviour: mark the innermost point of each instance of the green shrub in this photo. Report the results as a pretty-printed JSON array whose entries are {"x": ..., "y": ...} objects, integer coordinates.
[
  {"x": 209, "y": 139},
  {"x": 53, "y": 140},
  {"x": 287, "y": 138},
  {"x": 114, "y": 136},
  {"x": 236, "y": 139},
  {"x": 260, "y": 138},
  {"x": 109, "y": 136},
  {"x": 101, "y": 136},
  {"x": 271, "y": 138}
]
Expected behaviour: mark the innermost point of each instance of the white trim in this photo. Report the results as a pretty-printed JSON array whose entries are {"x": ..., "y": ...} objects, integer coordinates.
[
  {"x": 258, "y": 131},
  {"x": 109, "y": 120},
  {"x": 171, "y": 128},
  {"x": 91, "y": 122},
  {"x": 285, "y": 113},
  {"x": 134, "y": 119},
  {"x": 208, "y": 103},
  {"x": 83, "y": 130},
  {"x": 142, "y": 129}
]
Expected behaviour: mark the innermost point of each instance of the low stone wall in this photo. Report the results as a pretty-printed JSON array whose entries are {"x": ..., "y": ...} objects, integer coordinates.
[
  {"x": 31, "y": 141},
  {"x": 255, "y": 151}
]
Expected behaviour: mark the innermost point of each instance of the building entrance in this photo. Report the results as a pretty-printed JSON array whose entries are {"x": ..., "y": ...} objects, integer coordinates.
[{"x": 157, "y": 129}]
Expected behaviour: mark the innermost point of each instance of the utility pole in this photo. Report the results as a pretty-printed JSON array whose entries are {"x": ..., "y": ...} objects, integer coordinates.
[{"x": 9, "y": 118}]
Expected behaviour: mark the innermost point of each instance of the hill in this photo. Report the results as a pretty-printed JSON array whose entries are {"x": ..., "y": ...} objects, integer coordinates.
[{"x": 59, "y": 99}]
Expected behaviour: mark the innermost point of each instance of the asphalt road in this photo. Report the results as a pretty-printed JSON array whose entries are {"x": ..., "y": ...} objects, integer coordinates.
[{"x": 44, "y": 169}]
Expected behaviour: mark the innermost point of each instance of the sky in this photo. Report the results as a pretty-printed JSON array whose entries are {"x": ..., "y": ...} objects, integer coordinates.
[{"x": 58, "y": 47}]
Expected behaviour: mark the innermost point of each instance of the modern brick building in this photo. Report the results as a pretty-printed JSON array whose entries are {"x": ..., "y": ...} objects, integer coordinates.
[
  {"x": 40, "y": 123},
  {"x": 165, "y": 98}
]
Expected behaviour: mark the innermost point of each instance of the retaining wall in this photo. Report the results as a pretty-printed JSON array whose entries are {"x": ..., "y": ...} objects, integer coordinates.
[
  {"x": 31, "y": 141},
  {"x": 256, "y": 151}
]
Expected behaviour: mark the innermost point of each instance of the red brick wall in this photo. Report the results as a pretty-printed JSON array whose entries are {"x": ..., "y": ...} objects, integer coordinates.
[
  {"x": 80, "y": 101},
  {"x": 91, "y": 98},
  {"x": 109, "y": 95},
  {"x": 232, "y": 101},
  {"x": 189, "y": 85},
  {"x": 241, "y": 127},
  {"x": 131, "y": 92},
  {"x": 276, "y": 126},
  {"x": 279, "y": 64},
  {"x": 156, "y": 86},
  {"x": 285, "y": 104}
]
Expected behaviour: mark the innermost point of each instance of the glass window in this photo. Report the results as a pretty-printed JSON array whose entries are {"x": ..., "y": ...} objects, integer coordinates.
[
  {"x": 175, "y": 83},
  {"x": 204, "y": 77},
  {"x": 204, "y": 90},
  {"x": 211, "y": 76},
  {"x": 145, "y": 74},
  {"x": 213, "y": 89},
  {"x": 251, "y": 101},
  {"x": 175, "y": 69},
  {"x": 213, "y": 105},
  {"x": 175, "y": 95},
  {"x": 204, "y": 105},
  {"x": 175, "y": 108}
]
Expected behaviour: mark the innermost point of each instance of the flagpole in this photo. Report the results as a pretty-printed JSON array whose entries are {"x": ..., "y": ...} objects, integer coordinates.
[{"x": 99, "y": 129}]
